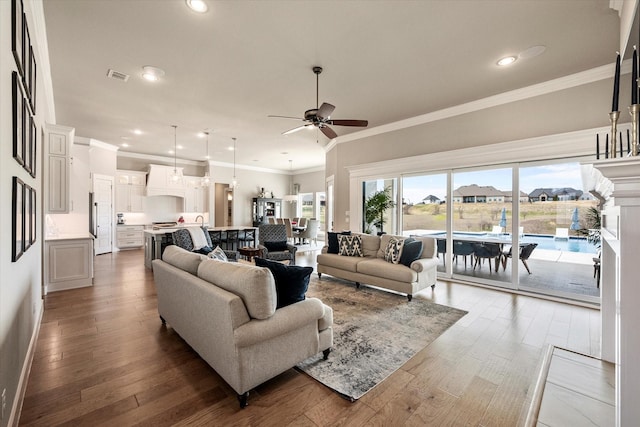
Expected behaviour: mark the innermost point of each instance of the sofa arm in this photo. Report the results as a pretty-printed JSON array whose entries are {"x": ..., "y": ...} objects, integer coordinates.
[
  {"x": 424, "y": 264},
  {"x": 292, "y": 248},
  {"x": 285, "y": 319},
  {"x": 325, "y": 250}
]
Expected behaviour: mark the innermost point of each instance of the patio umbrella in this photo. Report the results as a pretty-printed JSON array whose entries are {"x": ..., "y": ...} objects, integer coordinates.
[
  {"x": 503, "y": 218},
  {"x": 575, "y": 221}
]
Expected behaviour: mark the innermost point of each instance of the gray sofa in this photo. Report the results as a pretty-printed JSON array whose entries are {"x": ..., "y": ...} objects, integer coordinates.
[
  {"x": 372, "y": 268},
  {"x": 227, "y": 313}
]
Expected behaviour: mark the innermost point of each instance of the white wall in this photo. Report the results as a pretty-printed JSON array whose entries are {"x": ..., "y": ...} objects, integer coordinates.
[{"x": 21, "y": 281}]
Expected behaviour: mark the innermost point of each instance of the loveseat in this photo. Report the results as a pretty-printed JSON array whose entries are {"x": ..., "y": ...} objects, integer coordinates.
[
  {"x": 370, "y": 267},
  {"x": 227, "y": 313}
]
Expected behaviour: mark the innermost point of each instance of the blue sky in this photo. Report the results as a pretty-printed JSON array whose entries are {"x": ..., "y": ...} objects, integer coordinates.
[{"x": 549, "y": 176}]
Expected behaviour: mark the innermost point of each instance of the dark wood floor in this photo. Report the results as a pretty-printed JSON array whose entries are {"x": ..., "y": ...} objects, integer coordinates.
[{"x": 103, "y": 358}]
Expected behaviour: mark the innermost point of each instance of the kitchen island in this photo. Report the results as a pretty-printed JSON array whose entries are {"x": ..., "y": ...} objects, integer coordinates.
[{"x": 155, "y": 240}]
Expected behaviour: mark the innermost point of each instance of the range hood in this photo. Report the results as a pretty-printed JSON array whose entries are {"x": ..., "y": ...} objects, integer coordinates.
[{"x": 160, "y": 181}]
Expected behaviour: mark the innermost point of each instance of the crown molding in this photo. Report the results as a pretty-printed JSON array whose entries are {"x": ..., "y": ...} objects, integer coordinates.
[
  {"x": 562, "y": 83},
  {"x": 81, "y": 140}
]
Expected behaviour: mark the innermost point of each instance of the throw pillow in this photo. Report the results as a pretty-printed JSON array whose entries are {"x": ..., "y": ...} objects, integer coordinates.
[
  {"x": 393, "y": 251},
  {"x": 218, "y": 254},
  {"x": 411, "y": 251},
  {"x": 276, "y": 246},
  {"x": 203, "y": 250},
  {"x": 350, "y": 245},
  {"x": 292, "y": 281},
  {"x": 332, "y": 241}
]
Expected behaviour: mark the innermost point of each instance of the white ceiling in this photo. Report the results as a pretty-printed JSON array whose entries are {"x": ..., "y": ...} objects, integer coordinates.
[{"x": 228, "y": 69}]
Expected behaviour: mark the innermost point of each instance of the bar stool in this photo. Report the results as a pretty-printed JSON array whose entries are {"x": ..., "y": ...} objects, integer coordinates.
[
  {"x": 248, "y": 235},
  {"x": 230, "y": 239}
]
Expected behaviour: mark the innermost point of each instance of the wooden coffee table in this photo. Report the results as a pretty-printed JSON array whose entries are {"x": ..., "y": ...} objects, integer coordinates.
[{"x": 249, "y": 252}]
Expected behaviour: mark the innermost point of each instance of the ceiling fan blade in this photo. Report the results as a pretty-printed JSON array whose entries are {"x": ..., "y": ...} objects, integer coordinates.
[
  {"x": 325, "y": 110},
  {"x": 294, "y": 129},
  {"x": 286, "y": 117},
  {"x": 349, "y": 122},
  {"x": 328, "y": 132}
]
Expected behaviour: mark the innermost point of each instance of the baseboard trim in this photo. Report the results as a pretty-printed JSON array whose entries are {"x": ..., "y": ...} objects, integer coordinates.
[{"x": 16, "y": 409}]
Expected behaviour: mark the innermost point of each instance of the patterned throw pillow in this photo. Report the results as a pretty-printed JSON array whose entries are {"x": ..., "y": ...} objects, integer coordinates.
[
  {"x": 218, "y": 254},
  {"x": 350, "y": 245},
  {"x": 393, "y": 251}
]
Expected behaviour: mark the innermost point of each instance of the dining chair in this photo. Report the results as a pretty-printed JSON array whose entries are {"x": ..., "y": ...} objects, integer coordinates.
[
  {"x": 302, "y": 223},
  {"x": 486, "y": 251},
  {"x": 311, "y": 232},
  {"x": 287, "y": 223}
]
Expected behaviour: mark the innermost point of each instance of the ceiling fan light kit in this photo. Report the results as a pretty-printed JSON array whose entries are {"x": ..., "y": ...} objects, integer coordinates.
[{"x": 320, "y": 117}]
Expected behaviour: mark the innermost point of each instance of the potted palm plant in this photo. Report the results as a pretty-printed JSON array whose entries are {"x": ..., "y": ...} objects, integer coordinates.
[{"x": 374, "y": 209}]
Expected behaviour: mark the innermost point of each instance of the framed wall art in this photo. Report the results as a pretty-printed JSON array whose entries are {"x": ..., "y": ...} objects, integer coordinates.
[
  {"x": 17, "y": 40},
  {"x": 32, "y": 221},
  {"x": 33, "y": 146},
  {"x": 26, "y": 45},
  {"x": 32, "y": 80},
  {"x": 26, "y": 195},
  {"x": 17, "y": 219},
  {"x": 18, "y": 120}
]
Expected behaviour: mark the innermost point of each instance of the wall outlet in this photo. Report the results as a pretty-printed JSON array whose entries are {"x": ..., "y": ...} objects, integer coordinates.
[{"x": 4, "y": 402}]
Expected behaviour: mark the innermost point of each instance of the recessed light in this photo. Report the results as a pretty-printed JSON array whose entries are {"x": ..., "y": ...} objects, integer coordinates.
[
  {"x": 507, "y": 60},
  {"x": 179, "y": 147},
  {"x": 201, "y": 134},
  {"x": 170, "y": 151},
  {"x": 197, "y": 5},
  {"x": 137, "y": 131},
  {"x": 124, "y": 144},
  {"x": 151, "y": 73},
  {"x": 230, "y": 148}
]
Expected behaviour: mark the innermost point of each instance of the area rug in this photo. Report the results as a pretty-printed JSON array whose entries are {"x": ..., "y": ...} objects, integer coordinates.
[{"x": 374, "y": 333}]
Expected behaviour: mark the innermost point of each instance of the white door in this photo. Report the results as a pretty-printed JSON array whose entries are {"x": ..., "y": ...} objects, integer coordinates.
[{"x": 103, "y": 210}]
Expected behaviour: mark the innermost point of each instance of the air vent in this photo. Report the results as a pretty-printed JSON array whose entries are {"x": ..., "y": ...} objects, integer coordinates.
[{"x": 117, "y": 75}]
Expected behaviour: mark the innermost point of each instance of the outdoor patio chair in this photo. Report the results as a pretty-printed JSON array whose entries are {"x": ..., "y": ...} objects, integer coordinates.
[
  {"x": 561, "y": 233},
  {"x": 442, "y": 249},
  {"x": 486, "y": 251},
  {"x": 462, "y": 248},
  {"x": 497, "y": 230},
  {"x": 525, "y": 253}
]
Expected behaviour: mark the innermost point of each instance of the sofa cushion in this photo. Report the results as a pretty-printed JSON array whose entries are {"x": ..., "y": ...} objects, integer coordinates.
[
  {"x": 292, "y": 281},
  {"x": 393, "y": 251},
  {"x": 182, "y": 258},
  {"x": 218, "y": 253},
  {"x": 370, "y": 245},
  {"x": 276, "y": 246},
  {"x": 380, "y": 268},
  {"x": 254, "y": 285},
  {"x": 346, "y": 263},
  {"x": 411, "y": 251},
  {"x": 332, "y": 241},
  {"x": 350, "y": 245}
]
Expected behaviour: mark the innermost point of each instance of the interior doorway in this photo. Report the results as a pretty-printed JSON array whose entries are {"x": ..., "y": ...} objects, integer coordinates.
[
  {"x": 223, "y": 207},
  {"x": 102, "y": 213}
]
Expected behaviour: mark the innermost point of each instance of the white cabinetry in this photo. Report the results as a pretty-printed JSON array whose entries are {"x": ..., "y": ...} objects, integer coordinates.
[
  {"x": 163, "y": 182},
  {"x": 130, "y": 191},
  {"x": 68, "y": 262},
  {"x": 195, "y": 196},
  {"x": 129, "y": 236},
  {"x": 58, "y": 140}
]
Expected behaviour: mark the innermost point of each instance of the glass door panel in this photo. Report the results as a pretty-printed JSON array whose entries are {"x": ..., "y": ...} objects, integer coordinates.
[
  {"x": 424, "y": 210},
  {"x": 555, "y": 220},
  {"x": 374, "y": 219},
  {"x": 482, "y": 209}
]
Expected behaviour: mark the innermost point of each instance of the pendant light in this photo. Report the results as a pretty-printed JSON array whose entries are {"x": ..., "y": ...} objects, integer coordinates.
[
  {"x": 234, "y": 183},
  {"x": 206, "y": 179},
  {"x": 290, "y": 197},
  {"x": 174, "y": 176}
]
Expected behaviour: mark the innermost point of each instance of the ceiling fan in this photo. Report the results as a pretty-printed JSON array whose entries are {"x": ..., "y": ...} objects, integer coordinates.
[{"x": 320, "y": 117}]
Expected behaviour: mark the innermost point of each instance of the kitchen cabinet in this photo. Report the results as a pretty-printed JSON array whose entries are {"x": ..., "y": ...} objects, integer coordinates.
[
  {"x": 68, "y": 262},
  {"x": 264, "y": 209},
  {"x": 58, "y": 140},
  {"x": 195, "y": 195},
  {"x": 129, "y": 236},
  {"x": 130, "y": 186},
  {"x": 161, "y": 181}
]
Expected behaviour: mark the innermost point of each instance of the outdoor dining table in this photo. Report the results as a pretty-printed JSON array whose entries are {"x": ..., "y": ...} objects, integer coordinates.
[{"x": 500, "y": 239}]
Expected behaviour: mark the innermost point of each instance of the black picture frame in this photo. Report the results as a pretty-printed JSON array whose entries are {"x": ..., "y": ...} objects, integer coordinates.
[
  {"x": 28, "y": 149},
  {"x": 18, "y": 120},
  {"x": 17, "y": 219},
  {"x": 17, "y": 28},
  {"x": 32, "y": 80},
  {"x": 26, "y": 194},
  {"x": 33, "y": 147},
  {"x": 26, "y": 44},
  {"x": 32, "y": 221}
]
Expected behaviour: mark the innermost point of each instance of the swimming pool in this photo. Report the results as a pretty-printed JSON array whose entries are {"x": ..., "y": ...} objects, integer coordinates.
[{"x": 573, "y": 244}]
